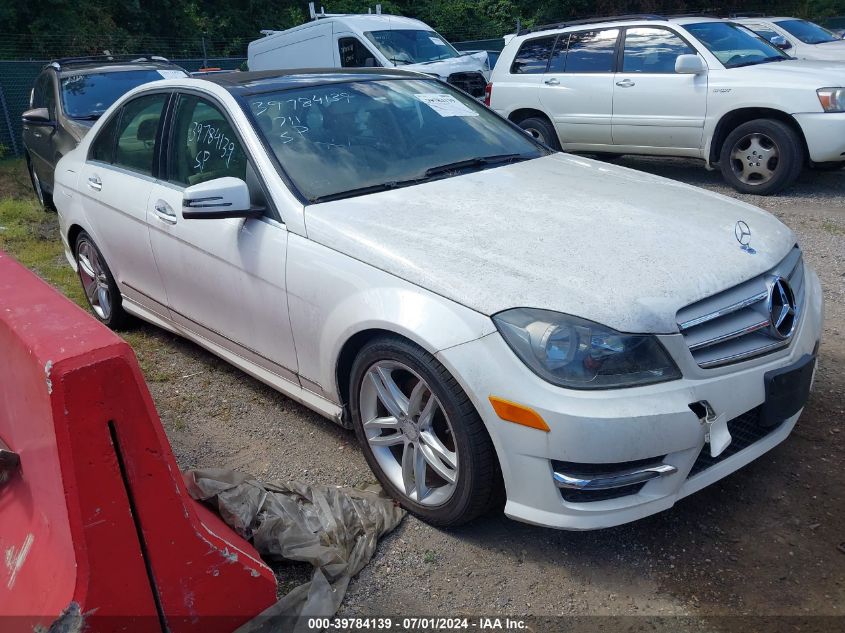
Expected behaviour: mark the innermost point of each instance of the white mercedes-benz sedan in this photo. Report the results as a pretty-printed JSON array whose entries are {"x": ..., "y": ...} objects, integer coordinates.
[{"x": 495, "y": 320}]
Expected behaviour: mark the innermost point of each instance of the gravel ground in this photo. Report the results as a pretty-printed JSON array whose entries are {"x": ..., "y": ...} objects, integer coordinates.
[{"x": 768, "y": 540}]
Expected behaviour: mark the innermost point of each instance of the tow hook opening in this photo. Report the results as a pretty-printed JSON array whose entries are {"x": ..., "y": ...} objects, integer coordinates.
[{"x": 716, "y": 434}]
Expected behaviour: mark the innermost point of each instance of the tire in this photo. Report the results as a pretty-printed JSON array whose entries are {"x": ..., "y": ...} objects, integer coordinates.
[
  {"x": 454, "y": 489},
  {"x": 44, "y": 198},
  {"x": 98, "y": 284},
  {"x": 762, "y": 156},
  {"x": 541, "y": 130}
]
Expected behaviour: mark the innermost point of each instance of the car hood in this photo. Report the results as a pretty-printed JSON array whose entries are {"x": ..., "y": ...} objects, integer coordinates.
[
  {"x": 811, "y": 72},
  {"x": 475, "y": 62},
  {"x": 78, "y": 129},
  {"x": 606, "y": 243},
  {"x": 827, "y": 51}
]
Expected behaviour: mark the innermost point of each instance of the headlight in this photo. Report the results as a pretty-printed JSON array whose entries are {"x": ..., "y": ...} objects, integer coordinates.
[
  {"x": 579, "y": 354},
  {"x": 832, "y": 99}
]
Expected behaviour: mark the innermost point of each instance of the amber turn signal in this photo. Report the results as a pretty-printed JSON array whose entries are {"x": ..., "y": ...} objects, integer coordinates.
[{"x": 518, "y": 414}]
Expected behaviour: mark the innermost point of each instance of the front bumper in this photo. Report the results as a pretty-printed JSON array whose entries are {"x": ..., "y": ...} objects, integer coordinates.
[
  {"x": 620, "y": 426},
  {"x": 825, "y": 135}
]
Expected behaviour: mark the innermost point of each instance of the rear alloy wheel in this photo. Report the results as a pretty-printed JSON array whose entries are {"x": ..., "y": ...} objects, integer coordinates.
[
  {"x": 762, "y": 157},
  {"x": 98, "y": 284},
  {"x": 44, "y": 199},
  {"x": 541, "y": 130},
  {"x": 420, "y": 433}
]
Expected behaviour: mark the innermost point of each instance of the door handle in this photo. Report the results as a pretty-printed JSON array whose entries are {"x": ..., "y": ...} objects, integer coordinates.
[
  {"x": 95, "y": 183},
  {"x": 164, "y": 212},
  {"x": 551, "y": 82},
  {"x": 625, "y": 83}
]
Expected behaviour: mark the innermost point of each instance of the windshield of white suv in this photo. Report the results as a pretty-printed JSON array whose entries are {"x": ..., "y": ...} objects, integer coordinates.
[
  {"x": 735, "y": 46},
  {"x": 87, "y": 96},
  {"x": 347, "y": 139},
  {"x": 807, "y": 32},
  {"x": 411, "y": 46}
]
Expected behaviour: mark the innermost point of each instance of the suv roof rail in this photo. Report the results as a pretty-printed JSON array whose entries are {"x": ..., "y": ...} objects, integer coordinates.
[
  {"x": 594, "y": 20},
  {"x": 747, "y": 14},
  {"x": 58, "y": 64}
]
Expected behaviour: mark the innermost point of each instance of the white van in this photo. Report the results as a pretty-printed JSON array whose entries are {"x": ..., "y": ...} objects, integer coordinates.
[{"x": 369, "y": 40}]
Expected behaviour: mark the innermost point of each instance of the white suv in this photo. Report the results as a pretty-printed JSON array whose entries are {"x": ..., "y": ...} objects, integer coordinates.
[
  {"x": 800, "y": 38},
  {"x": 696, "y": 87}
]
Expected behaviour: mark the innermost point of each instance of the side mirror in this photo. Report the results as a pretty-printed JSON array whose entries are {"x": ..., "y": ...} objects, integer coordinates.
[
  {"x": 781, "y": 42},
  {"x": 38, "y": 116},
  {"x": 225, "y": 197},
  {"x": 690, "y": 65}
]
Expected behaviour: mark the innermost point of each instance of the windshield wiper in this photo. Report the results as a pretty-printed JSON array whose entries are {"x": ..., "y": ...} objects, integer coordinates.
[
  {"x": 481, "y": 161},
  {"x": 429, "y": 174},
  {"x": 765, "y": 60},
  {"x": 361, "y": 191},
  {"x": 88, "y": 117}
]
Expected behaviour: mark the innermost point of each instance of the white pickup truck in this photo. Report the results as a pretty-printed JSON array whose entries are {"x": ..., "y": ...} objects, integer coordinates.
[{"x": 695, "y": 87}]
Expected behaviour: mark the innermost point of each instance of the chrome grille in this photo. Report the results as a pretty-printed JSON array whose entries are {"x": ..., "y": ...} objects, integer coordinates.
[{"x": 734, "y": 325}]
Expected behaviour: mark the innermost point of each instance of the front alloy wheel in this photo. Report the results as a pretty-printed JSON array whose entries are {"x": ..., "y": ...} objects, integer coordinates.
[
  {"x": 420, "y": 434},
  {"x": 754, "y": 159},
  {"x": 762, "y": 156},
  {"x": 409, "y": 434}
]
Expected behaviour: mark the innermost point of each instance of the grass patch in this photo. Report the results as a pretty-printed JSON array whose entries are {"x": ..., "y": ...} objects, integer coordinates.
[
  {"x": 31, "y": 235},
  {"x": 832, "y": 227}
]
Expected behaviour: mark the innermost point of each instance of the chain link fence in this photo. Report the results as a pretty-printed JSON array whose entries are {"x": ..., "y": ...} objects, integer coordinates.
[{"x": 18, "y": 76}]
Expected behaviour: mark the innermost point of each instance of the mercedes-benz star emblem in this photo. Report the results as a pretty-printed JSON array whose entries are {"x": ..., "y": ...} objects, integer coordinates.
[
  {"x": 743, "y": 236},
  {"x": 782, "y": 311}
]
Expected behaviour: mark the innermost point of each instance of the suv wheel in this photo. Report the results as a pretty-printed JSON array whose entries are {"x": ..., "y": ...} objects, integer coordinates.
[
  {"x": 762, "y": 156},
  {"x": 44, "y": 199},
  {"x": 541, "y": 130},
  {"x": 421, "y": 435},
  {"x": 98, "y": 283}
]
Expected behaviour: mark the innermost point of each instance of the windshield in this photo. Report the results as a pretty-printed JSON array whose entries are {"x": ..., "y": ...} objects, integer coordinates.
[
  {"x": 735, "y": 46},
  {"x": 348, "y": 139},
  {"x": 807, "y": 32},
  {"x": 411, "y": 46},
  {"x": 88, "y": 96}
]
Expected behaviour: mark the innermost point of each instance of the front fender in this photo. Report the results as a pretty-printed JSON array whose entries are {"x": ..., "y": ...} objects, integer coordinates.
[{"x": 333, "y": 297}]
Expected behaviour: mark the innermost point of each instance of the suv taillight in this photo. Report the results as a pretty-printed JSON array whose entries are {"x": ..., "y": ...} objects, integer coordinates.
[{"x": 488, "y": 94}]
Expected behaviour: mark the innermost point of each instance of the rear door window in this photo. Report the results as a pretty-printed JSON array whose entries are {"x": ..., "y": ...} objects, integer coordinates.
[
  {"x": 591, "y": 51},
  {"x": 137, "y": 133},
  {"x": 533, "y": 56},
  {"x": 102, "y": 148}
]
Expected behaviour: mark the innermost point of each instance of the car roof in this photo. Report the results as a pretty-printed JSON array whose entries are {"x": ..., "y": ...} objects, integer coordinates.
[
  {"x": 762, "y": 18},
  {"x": 616, "y": 22},
  {"x": 83, "y": 66},
  {"x": 253, "y": 82},
  {"x": 363, "y": 22}
]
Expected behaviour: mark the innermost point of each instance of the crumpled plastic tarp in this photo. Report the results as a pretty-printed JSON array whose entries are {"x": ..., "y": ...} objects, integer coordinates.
[{"x": 334, "y": 529}]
